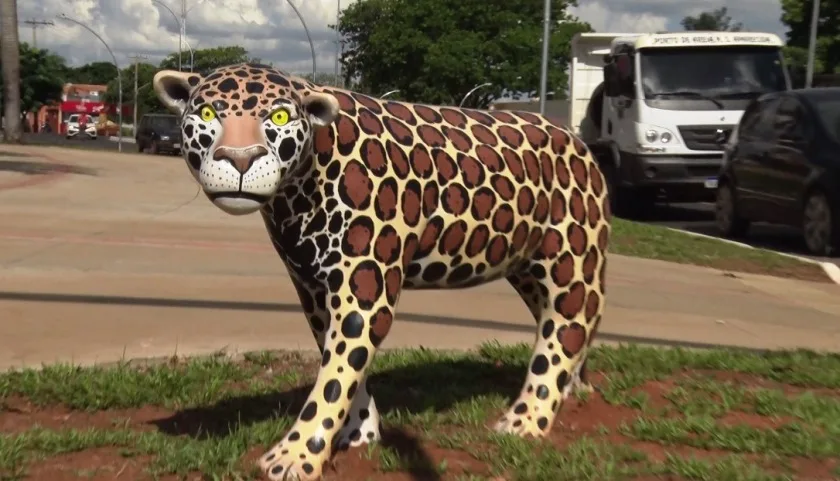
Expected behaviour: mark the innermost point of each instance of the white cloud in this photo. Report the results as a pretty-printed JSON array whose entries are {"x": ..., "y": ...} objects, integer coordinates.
[{"x": 270, "y": 29}]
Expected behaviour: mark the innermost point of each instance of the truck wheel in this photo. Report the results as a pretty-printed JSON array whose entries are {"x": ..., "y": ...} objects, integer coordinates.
[{"x": 625, "y": 202}]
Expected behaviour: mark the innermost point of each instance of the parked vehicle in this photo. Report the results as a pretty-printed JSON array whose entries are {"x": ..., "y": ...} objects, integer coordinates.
[
  {"x": 655, "y": 109},
  {"x": 158, "y": 133},
  {"x": 76, "y": 129},
  {"x": 781, "y": 166}
]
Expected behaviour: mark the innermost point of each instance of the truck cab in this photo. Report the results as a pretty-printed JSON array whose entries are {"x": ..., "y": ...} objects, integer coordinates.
[{"x": 657, "y": 109}]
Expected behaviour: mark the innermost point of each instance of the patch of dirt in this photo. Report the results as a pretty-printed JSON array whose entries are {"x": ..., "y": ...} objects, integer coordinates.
[
  {"x": 794, "y": 270},
  {"x": 756, "y": 382},
  {"x": 18, "y": 415},
  {"x": 102, "y": 464}
]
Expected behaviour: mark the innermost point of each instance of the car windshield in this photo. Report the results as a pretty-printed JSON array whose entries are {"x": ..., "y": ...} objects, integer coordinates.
[
  {"x": 165, "y": 122},
  {"x": 713, "y": 73},
  {"x": 828, "y": 113}
]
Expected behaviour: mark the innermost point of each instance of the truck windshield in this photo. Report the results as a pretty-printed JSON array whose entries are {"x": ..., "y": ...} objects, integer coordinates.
[{"x": 715, "y": 72}]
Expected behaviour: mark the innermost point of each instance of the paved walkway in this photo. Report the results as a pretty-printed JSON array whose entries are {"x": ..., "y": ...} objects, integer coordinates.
[{"x": 118, "y": 257}]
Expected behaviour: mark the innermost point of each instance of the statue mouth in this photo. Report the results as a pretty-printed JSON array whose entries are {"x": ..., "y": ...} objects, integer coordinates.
[{"x": 238, "y": 195}]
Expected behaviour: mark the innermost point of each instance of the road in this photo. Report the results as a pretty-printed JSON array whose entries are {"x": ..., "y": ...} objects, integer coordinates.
[{"x": 101, "y": 143}]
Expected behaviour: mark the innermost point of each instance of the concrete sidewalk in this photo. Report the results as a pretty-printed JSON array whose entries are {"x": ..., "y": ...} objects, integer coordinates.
[{"x": 124, "y": 261}]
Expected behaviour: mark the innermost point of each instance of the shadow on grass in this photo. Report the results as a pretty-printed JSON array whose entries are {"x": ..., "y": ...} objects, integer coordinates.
[{"x": 408, "y": 389}]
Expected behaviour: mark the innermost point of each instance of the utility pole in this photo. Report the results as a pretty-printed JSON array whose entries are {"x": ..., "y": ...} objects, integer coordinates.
[
  {"x": 337, "y": 40},
  {"x": 34, "y": 25},
  {"x": 136, "y": 70},
  {"x": 812, "y": 43}
]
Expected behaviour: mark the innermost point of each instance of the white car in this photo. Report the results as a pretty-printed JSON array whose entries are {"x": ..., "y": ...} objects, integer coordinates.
[{"x": 73, "y": 128}]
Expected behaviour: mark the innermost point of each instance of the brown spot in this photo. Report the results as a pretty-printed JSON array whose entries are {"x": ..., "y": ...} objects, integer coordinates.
[
  {"x": 504, "y": 187},
  {"x": 570, "y": 303},
  {"x": 398, "y": 159},
  {"x": 393, "y": 282},
  {"x": 459, "y": 139},
  {"x": 381, "y": 322},
  {"x": 453, "y": 238},
  {"x": 484, "y": 135},
  {"x": 558, "y": 207},
  {"x": 573, "y": 336},
  {"x": 399, "y": 131},
  {"x": 386, "y": 199},
  {"x": 532, "y": 166},
  {"x": 409, "y": 249},
  {"x": 520, "y": 235},
  {"x": 366, "y": 284},
  {"x": 388, "y": 245},
  {"x": 528, "y": 117},
  {"x": 536, "y": 136},
  {"x": 579, "y": 171},
  {"x": 446, "y": 168},
  {"x": 562, "y": 173},
  {"x": 478, "y": 240},
  {"x": 552, "y": 244},
  {"x": 535, "y": 238},
  {"x": 541, "y": 212},
  {"x": 580, "y": 147},
  {"x": 597, "y": 179},
  {"x": 348, "y": 134},
  {"x": 590, "y": 263},
  {"x": 369, "y": 123},
  {"x": 427, "y": 114},
  {"x": 401, "y": 112},
  {"x": 497, "y": 250},
  {"x": 483, "y": 202},
  {"x": 373, "y": 155},
  {"x": 559, "y": 140},
  {"x": 453, "y": 117},
  {"x": 357, "y": 238},
  {"x": 603, "y": 238},
  {"x": 547, "y": 169},
  {"x": 355, "y": 186},
  {"x": 504, "y": 117},
  {"x": 489, "y": 158},
  {"x": 514, "y": 163},
  {"x": 577, "y": 207},
  {"x": 324, "y": 141},
  {"x": 593, "y": 211},
  {"x": 525, "y": 201},
  {"x": 430, "y": 198},
  {"x": 472, "y": 171},
  {"x": 503, "y": 219},
  {"x": 411, "y": 203},
  {"x": 563, "y": 270},
  {"x": 368, "y": 102},
  {"x": 421, "y": 162},
  {"x": 431, "y": 136},
  {"x": 430, "y": 235},
  {"x": 593, "y": 304},
  {"x": 480, "y": 117},
  {"x": 577, "y": 239},
  {"x": 511, "y": 136},
  {"x": 345, "y": 102},
  {"x": 455, "y": 199}
]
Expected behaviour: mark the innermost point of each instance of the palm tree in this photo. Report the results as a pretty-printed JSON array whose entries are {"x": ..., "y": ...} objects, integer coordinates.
[{"x": 10, "y": 53}]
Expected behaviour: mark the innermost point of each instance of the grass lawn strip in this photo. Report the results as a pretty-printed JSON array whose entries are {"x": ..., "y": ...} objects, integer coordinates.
[
  {"x": 685, "y": 414},
  {"x": 655, "y": 242}
]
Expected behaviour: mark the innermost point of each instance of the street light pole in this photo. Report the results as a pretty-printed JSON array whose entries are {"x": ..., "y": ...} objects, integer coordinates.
[
  {"x": 119, "y": 75},
  {"x": 305, "y": 29},
  {"x": 388, "y": 93},
  {"x": 544, "y": 66},
  {"x": 136, "y": 75},
  {"x": 337, "y": 38},
  {"x": 812, "y": 44},
  {"x": 471, "y": 92},
  {"x": 180, "y": 30}
]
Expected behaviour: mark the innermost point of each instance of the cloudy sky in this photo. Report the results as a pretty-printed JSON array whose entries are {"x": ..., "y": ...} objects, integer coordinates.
[{"x": 269, "y": 29}]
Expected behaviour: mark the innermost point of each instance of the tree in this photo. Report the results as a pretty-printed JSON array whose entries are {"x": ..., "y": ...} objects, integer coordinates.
[
  {"x": 796, "y": 14},
  {"x": 95, "y": 73},
  {"x": 41, "y": 77},
  {"x": 10, "y": 53},
  {"x": 715, "y": 20},
  {"x": 436, "y": 51},
  {"x": 207, "y": 59},
  {"x": 147, "y": 100}
]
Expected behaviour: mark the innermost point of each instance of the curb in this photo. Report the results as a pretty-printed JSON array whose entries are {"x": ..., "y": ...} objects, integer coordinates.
[
  {"x": 128, "y": 140},
  {"x": 831, "y": 270}
]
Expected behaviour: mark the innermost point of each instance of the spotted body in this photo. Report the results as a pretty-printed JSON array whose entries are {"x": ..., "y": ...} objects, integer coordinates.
[{"x": 364, "y": 197}]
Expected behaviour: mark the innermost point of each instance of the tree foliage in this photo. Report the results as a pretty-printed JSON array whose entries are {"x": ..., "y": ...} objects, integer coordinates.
[
  {"x": 716, "y": 20},
  {"x": 436, "y": 51},
  {"x": 147, "y": 101},
  {"x": 42, "y": 76},
  {"x": 796, "y": 14},
  {"x": 94, "y": 73}
]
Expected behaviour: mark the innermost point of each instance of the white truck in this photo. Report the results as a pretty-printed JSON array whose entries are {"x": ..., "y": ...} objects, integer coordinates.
[{"x": 656, "y": 109}]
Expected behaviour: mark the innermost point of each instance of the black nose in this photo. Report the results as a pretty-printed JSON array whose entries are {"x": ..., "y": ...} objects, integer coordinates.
[{"x": 240, "y": 158}]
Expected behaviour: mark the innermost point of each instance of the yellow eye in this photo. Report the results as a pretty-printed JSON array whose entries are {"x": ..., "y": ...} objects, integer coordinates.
[
  {"x": 280, "y": 117},
  {"x": 207, "y": 113}
]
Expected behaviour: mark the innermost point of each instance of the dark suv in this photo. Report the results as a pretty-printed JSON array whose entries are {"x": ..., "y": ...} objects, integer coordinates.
[{"x": 158, "y": 133}]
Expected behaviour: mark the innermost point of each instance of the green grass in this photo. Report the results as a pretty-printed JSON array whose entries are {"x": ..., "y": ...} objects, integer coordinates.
[
  {"x": 656, "y": 242},
  {"x": 770, "y": 416}
]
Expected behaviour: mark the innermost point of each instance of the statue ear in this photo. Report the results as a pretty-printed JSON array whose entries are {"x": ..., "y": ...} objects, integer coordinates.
[
  {"x": 173, "y": 88},
  {"x": 322, "y": 108}
]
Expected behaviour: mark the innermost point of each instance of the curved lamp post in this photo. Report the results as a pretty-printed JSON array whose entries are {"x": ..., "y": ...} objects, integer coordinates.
[
  {"x": 119, "y": 75},
  {"x": 180, "y": 32},
  {"x": 388, "y": 93},
  {"x": 308, "y": 37},
  {"x": 473, "y": 90}
]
